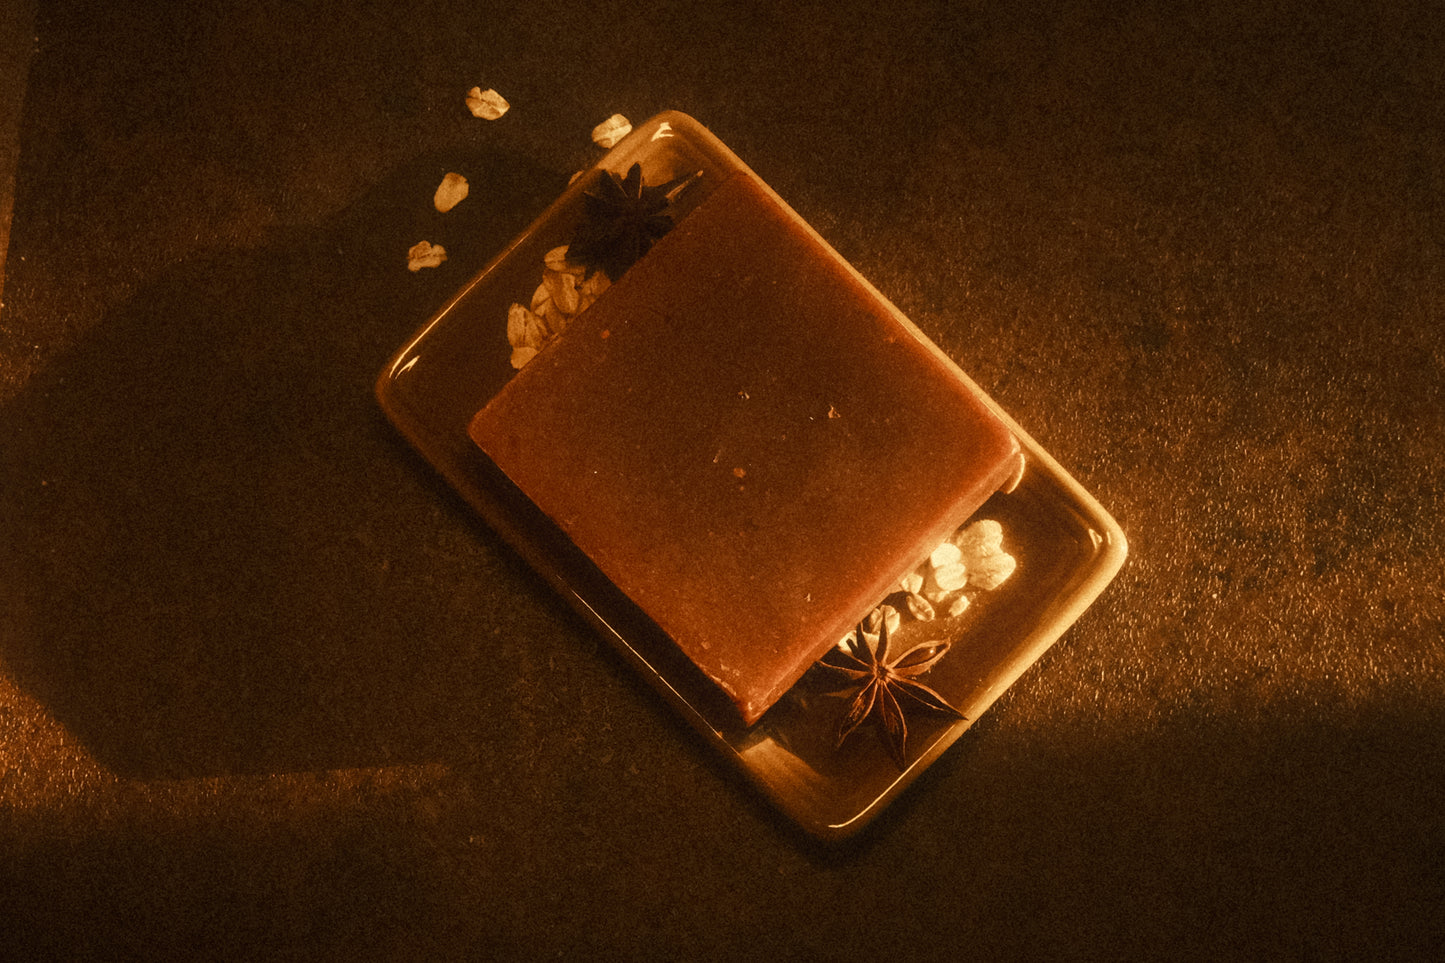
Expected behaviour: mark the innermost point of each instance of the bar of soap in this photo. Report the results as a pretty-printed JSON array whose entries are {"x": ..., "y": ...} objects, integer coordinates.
[{"x": 747, "y": 441}]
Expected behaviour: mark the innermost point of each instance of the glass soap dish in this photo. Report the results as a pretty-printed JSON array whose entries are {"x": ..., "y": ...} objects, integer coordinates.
[{"x": 1066, "y": 548}]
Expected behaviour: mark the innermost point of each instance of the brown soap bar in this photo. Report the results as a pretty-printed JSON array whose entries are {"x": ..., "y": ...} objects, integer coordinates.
[{"x": 747, "y": 441}]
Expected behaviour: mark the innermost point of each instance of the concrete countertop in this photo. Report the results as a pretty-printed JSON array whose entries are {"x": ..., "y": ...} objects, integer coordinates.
[{"x": 267, "y": 689}]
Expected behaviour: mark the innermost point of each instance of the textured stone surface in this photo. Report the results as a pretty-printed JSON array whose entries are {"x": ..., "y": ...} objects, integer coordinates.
[{"x": 267, "y": 688}]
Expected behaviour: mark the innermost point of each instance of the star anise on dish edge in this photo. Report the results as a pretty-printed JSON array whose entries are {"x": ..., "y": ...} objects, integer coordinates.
[
  {"x": 622, "y": 218},
  {"x": 881, "y": 678}
]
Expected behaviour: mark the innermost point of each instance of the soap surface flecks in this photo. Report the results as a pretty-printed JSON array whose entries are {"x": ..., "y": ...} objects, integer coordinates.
[{"x": 615, "y": 431}]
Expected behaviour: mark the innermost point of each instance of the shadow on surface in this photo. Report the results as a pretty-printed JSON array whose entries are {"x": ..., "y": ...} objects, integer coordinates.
[
  {"x": 223, "y": 559},
  {"x": 1310, "y": 836}
]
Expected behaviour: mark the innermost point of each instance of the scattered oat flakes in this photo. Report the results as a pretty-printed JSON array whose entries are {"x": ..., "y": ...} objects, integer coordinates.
[
  {"x": 950, "y": 577},
  {"x": 543, "y": 308},
  {"x": 981, "y": 545},
  {"x": 565, "y": 292},
  {"x": 486, "y": 104},
  {"x": 526, "y": 333},
  {"x": 884, "y": 613},
  {"x": 991, "y": 572},
  {"x": 981, "y": 538},
  {"x": 944, "y": 555},
  {"x": 451, "y": 192},
  {"x": 871, "y": 622},
  {"x": 591, "y": 288},
  {"x": 556, "y": 260},
  {"x": 562, "y": 288},
  {"x": 921, "y": 608},
  {"x": 525, "y": 329},
  {"x": 610, "y": 131},
  {"x": 933, "y": 593},
  {"x": 424, "y": 254}
]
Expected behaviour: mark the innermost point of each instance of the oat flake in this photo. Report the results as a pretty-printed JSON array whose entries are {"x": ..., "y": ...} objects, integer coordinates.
[
  {"x": 486, "y": 104},
  {"x": 424, "y": 254},
  {"x": 452, "y": 190},
  {"x": 610, "y": 131}
]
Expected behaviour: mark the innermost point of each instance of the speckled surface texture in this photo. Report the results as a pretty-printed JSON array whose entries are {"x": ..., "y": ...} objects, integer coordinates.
[{"x": 267, "y": 690}]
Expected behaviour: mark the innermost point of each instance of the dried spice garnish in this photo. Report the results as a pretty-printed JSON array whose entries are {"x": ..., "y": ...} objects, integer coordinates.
[
  {"x": 882, "y": 677},
  {"x": 622, "y": 218}
]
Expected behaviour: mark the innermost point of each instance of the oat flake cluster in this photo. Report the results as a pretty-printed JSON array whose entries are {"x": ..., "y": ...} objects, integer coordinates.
[{"x": 532, "y": 331}]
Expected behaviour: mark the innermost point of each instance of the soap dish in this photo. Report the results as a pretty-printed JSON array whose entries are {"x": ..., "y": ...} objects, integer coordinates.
[{"x": 1062, "y": 547}]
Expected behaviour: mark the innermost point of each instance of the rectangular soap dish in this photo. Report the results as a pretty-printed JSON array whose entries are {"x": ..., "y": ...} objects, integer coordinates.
[{"x": 1065, "y": 547}]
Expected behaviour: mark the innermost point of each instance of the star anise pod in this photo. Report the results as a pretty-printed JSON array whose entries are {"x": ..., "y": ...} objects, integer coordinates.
[
  {"x": 622, "y": 217},
  {"x": 882, "y": 677}
]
